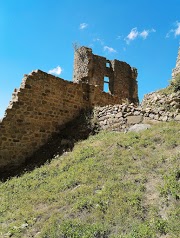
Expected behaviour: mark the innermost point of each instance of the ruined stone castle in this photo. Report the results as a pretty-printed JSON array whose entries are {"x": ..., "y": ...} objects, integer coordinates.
[
  {"x": 96, "y": 70},
  {"x": 44, "y": 103}
]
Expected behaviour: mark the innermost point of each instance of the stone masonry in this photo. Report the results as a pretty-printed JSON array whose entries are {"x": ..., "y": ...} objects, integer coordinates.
[
  {"x": 176, "y": 70},
  {"x": 155, "y": 108},
  {"x": 43, "y": 104},
  {"x": 120, "y": 76}
]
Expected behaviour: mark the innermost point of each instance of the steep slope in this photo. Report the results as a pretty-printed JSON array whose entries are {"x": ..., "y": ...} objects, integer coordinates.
[{"x": 111, "y": 185}]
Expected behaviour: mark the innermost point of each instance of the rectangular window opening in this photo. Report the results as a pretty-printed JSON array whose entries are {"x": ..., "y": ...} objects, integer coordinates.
[
  {"x": 108, "y": 65},
  {"x": 106, "y": 85}
]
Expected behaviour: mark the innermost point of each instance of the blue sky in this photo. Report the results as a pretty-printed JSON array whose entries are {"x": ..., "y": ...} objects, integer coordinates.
[{"x": 39, "y": 34}]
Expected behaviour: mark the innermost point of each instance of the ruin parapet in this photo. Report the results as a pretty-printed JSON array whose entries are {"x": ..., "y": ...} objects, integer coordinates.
[{"x": 118, "y": 76}]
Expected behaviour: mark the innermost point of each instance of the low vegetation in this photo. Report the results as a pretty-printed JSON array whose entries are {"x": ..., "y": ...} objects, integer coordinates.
[
  {"x": 173, "y": 87},
  {"x": 176, "y": 83},
  {"x": 123, "y": 185}
]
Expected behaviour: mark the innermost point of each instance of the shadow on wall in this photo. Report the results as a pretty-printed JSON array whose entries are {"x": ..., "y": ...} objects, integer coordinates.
[
  {"x": 62, "y": 141},
  {"x": 44, "y": 102}
]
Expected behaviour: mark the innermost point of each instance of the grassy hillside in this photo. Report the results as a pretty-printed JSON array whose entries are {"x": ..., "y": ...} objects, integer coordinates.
[{"x": 111, "y": 185}]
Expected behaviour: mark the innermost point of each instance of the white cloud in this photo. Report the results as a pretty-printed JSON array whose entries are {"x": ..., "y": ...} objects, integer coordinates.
[
  {"x": 98, "y": 40},
  {"x": 109, "y": 49},
  {"x": 169, "y": 33},
  {"x": 144, "y": 34},
  {"x": 175, "y": 32},
  {"x": 105, "y": 47},
  {"x": 56, "y": 71},
  {"x": 134, "y": 33},
  {"x": 83, "y": 26}
]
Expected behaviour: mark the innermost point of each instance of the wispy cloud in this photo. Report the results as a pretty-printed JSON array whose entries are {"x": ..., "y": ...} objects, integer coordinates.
[
  {"x": 144, "y": 34},
  {"x": 175, "y": 31},
  {"x": 169, "y": 33},
  {"x": 134, "y": 33},
  {"x": 82, "y": 26},
  {"x": 109, "y": 49},
  {"x": 98, "y": 40},
  {"x": 105, "y": 47},
  {"x": 118, "y": 37},
  {"x": 56, "y": 71}
]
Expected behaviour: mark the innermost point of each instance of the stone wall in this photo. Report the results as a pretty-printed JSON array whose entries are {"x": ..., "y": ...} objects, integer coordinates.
[
  {"x": 154, "y": 108},
  {"x": 93, "y": 69},
  {"x": 39, "y": 108},
  {"x": 44, "y": 104}
]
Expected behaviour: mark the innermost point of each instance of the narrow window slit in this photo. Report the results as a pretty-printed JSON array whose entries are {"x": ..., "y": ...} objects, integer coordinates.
[{"x": 106, "y": 84}]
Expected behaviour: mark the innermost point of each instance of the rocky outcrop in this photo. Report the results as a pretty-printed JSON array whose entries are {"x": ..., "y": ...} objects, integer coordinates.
[{"x": 162, "y": 102}]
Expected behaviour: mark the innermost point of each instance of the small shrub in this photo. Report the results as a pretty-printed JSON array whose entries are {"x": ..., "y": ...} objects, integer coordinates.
[
  {"x": 84, "y": 204},
  {"x": 77, "y": 229},
  {"x": 176, "y": 83},
  {"x": 142, "y": 231},
  {"x": 161, "y": 226},
  {"x": 171, "y": 185}
]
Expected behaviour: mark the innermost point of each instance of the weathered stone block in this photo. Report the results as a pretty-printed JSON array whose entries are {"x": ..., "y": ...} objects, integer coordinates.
[
  {"x": 177, "y": 118},
  {"x": 119, "y": 114},
  {"x": 134, "y": 119},
  {"x": 139, "y": 127}
]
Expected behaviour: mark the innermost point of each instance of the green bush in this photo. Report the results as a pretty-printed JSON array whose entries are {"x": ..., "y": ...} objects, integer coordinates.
[
  {"x": 161, "y": 226},
  {"x": 175, "y": 83},
  {"x": 77, "y": 229},
  {"x": 143, "y": 231},
  {"x": 171, "y": 184}
]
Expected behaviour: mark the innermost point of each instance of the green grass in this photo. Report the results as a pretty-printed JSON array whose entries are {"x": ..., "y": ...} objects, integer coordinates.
[{"x": 111, "y": 185}]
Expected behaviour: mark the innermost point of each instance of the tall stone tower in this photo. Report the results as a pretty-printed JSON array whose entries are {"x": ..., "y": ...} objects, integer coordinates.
[
  {"x": 119, "y": 77},
  {"x": 176, "y": 70}
]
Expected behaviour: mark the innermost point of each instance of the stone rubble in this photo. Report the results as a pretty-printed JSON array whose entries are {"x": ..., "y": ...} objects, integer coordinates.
[{"x": 155, "y": 107}]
